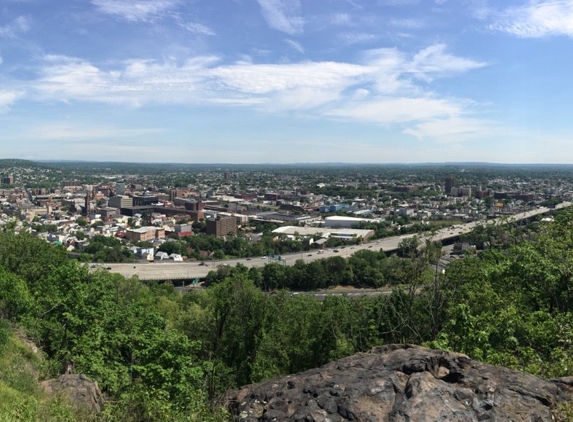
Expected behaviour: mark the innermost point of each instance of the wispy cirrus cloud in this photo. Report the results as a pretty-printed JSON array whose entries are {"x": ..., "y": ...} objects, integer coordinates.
[
  {"x": 537, "y": 19},
  {"x": 283, "y": 15},
  {"x": 389, "y": 110},
  {"x": 384, "y": 88},
  {"x": 296, "y": 45},
  {"x": 147, "y": 11},
  {"x": 267, "y": 78},
  {"x": 197, "y": 28},
  {"x": 434, "y": 61},
  {"x": 74, "y": 131},
  {"x": 407, "y": 23},
  {"x": 135, "y": 10},
  {"x": 386, "y": 70},
  {"x": 340, "y": 19},
  {"x": 453, "y": 128},
  {"x": 350, "y": 38},
  {"x": 18, "y": 26},
  {"x": 136, "y": 83},
  {"x": 398, "y": 2},
  {"x": 287, "y": 87},
  {"x": 426, "y": 117}
]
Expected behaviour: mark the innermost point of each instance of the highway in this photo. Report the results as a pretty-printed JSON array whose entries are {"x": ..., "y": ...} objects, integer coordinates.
[{"x": 170, "y": 270}]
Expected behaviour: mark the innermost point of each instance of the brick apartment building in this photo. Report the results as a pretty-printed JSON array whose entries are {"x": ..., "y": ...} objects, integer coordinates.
[
  {"x": 221, "y": 226},
  {"x": 143, "y": 234}
]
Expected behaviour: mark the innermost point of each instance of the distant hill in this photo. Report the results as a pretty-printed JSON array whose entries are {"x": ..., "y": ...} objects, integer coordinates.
[{"x": 14, "y": 162}]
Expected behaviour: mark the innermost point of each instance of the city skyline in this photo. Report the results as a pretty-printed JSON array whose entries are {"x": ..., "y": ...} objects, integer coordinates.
[{"x": 286, "y": 81}]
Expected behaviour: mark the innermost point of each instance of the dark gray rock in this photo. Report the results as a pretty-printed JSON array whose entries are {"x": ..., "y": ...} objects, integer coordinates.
[
  {"x": 77, "y": 389},
  {"x": 399, "y": 383}
]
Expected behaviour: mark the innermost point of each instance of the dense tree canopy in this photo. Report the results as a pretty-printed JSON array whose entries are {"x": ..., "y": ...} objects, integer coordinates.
[{"x": 160, "y": 355}]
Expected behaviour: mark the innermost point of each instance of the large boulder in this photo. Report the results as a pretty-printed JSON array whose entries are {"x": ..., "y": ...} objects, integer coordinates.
[
  {"x": 77, "y": 389},
  {"x": 401, "y": 383}
]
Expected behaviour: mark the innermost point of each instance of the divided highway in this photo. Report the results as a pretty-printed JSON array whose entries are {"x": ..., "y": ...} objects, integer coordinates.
[{"x": 169, "y": 270}]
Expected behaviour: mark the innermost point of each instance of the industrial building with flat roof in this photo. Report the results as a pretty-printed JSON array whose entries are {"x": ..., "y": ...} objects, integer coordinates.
[{"x": 347, "y": 234}]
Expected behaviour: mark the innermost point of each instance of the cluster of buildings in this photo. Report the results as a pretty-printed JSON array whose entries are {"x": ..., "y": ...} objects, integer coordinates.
[
  {"x": 477, "y": 191},
  {"x": 228, "y": 204}
]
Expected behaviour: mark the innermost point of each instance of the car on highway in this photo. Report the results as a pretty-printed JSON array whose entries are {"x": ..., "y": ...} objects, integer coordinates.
[{"x": 336, "y": 250}]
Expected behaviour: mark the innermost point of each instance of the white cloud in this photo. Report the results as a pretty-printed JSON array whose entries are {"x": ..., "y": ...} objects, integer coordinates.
[
  {"x": 137, "y": 82},
  {"x": 19, "y": 25},
  {"x": 340, "y": 19},
  {"x": 426, "y": 118},
  {"x": 383, "y": 89},
  {"x": 398, "y": 2},
  {"x": 239, "y": 101},
  {"x": 384, "y": 70},
  {"x": 387, "y": 110},
  {"x": 452, "y": 129},
  {"x": 283, "y": 15},
  {"x": 538, "y": 19},
  {"x": 135, "y": 10},
  {"x": 407, "y": 23},
  {"x": 22, "y": 24},
  {"x": 267, "y": 78},
  {"x": 197, "y": 28},
  {"x": 350, "y": 38},
  {"x": 389, "y": 71},
  {"x": 434, "y": 61},
  {"x": 480, "y": 9},
  {"x": 69, "y": 131},
  {"x": 360, "y": 94},
  {"x": 296, "y": 45},
  {"x": 7, "y": 98},
  {"x": 301, "y": 99}
]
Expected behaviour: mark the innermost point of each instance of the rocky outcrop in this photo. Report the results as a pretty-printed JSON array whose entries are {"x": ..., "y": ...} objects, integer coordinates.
[
  {"x": 401, "y": 383},
  {"x": 77, "y": 389}
]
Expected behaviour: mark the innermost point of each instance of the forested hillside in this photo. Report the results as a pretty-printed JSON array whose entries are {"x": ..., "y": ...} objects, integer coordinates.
[{"x": 159, "y": 355}]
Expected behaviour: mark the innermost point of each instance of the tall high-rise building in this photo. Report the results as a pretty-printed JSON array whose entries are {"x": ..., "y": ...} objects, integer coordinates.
[
  {"x": 87, "y": 204},
  {"x": 8, "y": 180},
  {"x": 450, "y": 183},
  {"x": 120, "y": 188}
]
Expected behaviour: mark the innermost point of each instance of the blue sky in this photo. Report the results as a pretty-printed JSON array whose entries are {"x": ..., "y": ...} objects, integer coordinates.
[{"x": 284, "y": 81}]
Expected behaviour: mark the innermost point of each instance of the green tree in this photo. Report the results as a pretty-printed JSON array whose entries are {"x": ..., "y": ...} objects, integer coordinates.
[{"x": 15, "y": 299}]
